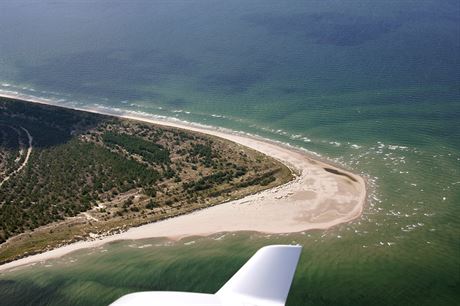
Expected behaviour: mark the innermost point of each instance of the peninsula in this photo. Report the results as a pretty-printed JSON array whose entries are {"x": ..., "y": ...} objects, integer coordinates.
[{"x": 94, "y": 178}]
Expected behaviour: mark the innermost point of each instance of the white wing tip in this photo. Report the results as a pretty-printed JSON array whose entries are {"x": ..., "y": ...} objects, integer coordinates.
[{"x": 266, "y": 276}]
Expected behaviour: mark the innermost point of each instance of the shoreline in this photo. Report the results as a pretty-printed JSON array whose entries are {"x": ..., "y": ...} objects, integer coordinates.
[{"x": 320, "y": 196}]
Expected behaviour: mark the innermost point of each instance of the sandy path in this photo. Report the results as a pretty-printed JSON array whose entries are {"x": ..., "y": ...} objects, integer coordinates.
[
  {"x": 315, "y": 199},
  {"x": 26, "y": 160}
]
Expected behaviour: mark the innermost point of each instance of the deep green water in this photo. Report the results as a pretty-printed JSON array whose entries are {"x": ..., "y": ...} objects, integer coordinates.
[{"x": 371, "y": 85}]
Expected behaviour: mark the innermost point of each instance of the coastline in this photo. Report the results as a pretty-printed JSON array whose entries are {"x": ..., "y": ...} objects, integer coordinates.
[{"x": 320, "y": 196}]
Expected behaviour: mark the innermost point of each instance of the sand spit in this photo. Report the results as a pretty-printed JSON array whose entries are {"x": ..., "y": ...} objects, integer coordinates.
[{"x": 320, "y": 196}]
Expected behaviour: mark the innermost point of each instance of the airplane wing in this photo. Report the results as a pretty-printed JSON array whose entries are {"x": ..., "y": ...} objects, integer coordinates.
[{"x": 264, "y": 280}]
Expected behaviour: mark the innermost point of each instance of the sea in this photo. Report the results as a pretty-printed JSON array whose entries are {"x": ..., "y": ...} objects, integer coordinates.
[{"x": 372, "y": 86}]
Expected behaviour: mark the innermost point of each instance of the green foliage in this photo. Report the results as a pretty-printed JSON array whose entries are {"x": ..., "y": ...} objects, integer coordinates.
[
  {"x": 262, "y": 180},
  {"x": 128, "y": 202},
  {"x": 209, "y": 181},
  {"x": 267, "y": 180},
  {"x": 58, "y": 180},
  {"x": 201, "y": 150},
  {"x": 150, "y": 191},
  {"x": 150, "y": 205},
  {"x": 49, "y": 125},
  {"x": 150, "y": 152}
]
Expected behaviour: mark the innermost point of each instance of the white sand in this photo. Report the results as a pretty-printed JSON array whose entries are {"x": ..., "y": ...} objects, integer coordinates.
[{"x": 316, "y": 199}]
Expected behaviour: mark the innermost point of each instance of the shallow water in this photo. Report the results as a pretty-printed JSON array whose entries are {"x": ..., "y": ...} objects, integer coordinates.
[{"x": 374, "y": 87}]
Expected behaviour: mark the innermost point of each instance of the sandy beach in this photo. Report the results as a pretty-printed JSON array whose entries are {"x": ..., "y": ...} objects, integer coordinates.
[{"x": 320, "y": 196}]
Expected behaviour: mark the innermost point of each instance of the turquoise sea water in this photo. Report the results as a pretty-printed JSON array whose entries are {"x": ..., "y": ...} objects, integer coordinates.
[{"x": 371, "y": 85}]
